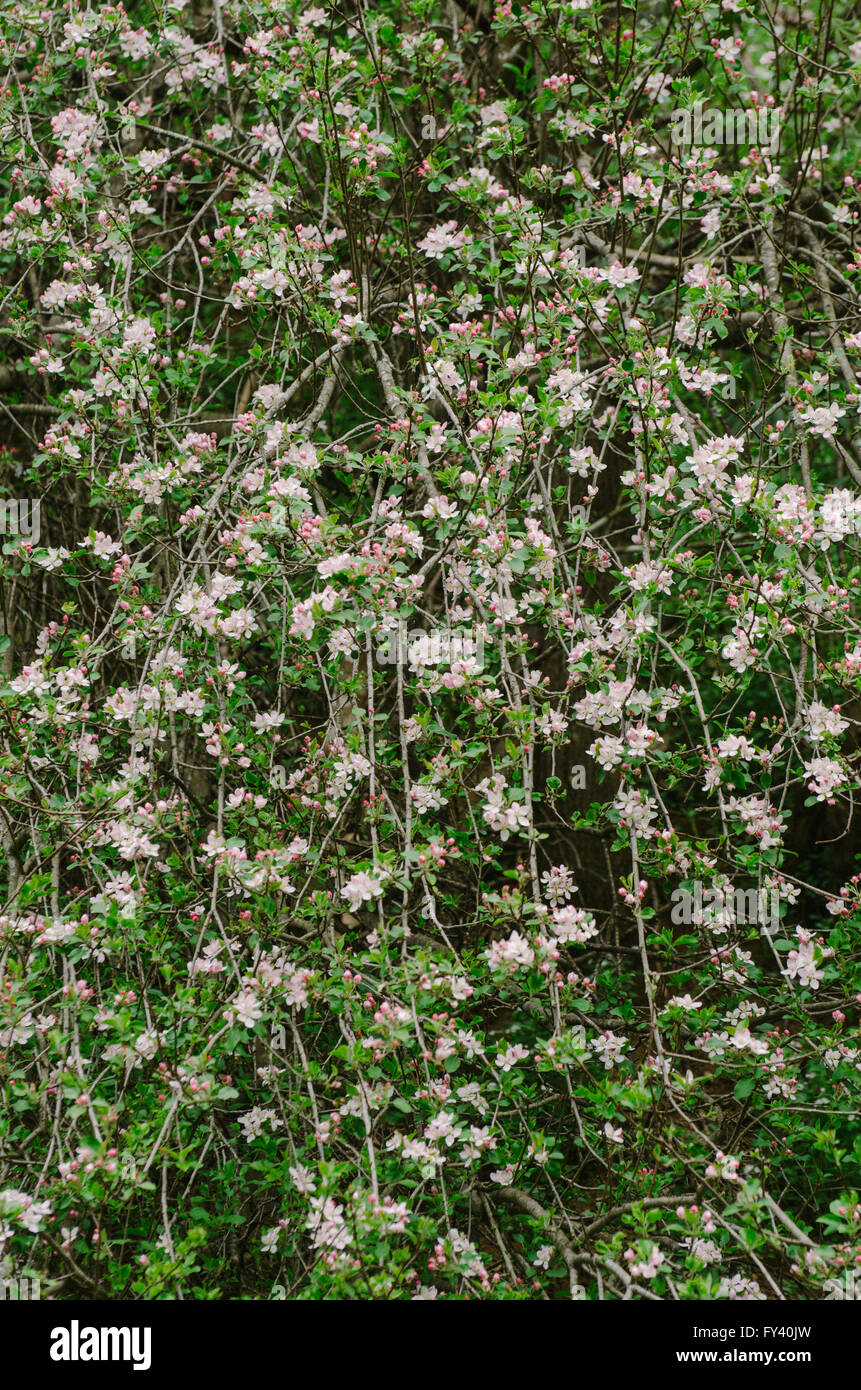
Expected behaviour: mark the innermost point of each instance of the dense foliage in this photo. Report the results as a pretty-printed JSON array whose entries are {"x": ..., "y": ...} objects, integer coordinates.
[{"x": 430, "y": 642}]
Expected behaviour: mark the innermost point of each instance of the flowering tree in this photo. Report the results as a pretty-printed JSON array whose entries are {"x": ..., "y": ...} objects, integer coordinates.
[{"x": 429, "y": 638}]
